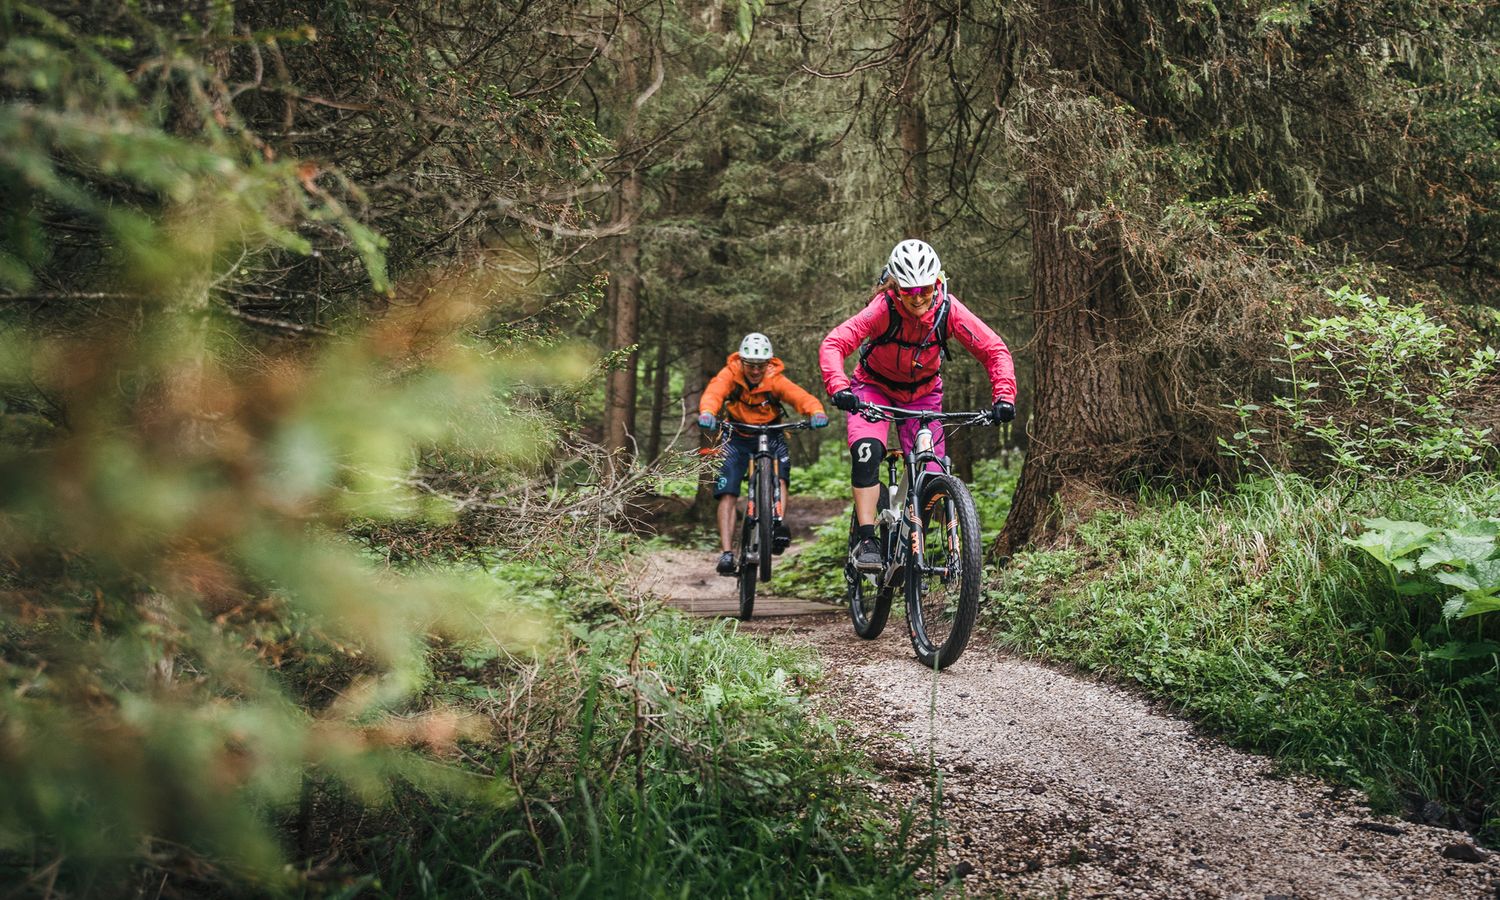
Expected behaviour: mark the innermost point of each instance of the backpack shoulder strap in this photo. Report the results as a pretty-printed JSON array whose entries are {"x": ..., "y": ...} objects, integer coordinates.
[
  {"x": 892, "y": 329},
  {"x": 940, "y": 324}
]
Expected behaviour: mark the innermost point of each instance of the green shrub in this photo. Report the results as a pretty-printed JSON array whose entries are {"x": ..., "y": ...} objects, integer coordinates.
[
  {"x": 191, "y": 636},
  {"x": 827, "y": 477},
  {"x": 1419, "y": 558},
  {"x": 1381, "y": 389}
]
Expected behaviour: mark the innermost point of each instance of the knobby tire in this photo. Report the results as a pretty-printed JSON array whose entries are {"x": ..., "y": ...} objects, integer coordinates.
[
  {"x": 765, "y": 512},
  {"x": 746, "y": 572},
  {"x": 941, "y": 609},
  {"x": 869, "y": 604}
]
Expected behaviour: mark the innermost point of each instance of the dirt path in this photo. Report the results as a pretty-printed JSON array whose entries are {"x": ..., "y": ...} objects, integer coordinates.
[
  {"x": 1056, "y": 786},
  {"x": 1059, "y": 786},
  {"x": 686, "y": 579}
]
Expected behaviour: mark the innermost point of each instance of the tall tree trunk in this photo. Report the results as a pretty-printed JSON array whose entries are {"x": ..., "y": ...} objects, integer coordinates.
[
  {"x": 623, "y": 294},
  {"x": 1095, "y": 407},
  {"x": 660, "y": 380},
  {"x": 623, "y": 299},
  {"x": 911, "y": 121}
]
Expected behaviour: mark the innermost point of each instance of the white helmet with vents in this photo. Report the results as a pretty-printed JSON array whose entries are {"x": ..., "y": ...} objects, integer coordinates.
[
  {"x": 755, "y": 348},
  {"x": 915, "y": 264}
]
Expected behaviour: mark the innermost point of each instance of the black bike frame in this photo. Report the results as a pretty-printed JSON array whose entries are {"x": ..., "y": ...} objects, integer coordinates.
[
  {"x": 914, "y": 472},
  {"x": 762, "y": 453}
]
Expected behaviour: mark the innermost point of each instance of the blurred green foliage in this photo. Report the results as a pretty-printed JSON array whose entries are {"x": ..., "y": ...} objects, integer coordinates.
[{"x": 188, "y": 634}]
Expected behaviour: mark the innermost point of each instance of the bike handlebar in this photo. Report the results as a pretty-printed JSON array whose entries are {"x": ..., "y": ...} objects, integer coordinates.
[
  {"x": 766, "y": 429},
  {"x": 874, "y": 412}
]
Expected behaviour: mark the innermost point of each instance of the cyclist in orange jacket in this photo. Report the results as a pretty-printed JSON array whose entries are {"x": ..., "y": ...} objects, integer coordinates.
[{"x": 751, "y": 388}]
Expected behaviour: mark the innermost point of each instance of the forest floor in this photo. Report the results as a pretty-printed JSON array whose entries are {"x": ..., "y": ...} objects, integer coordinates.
[{"x": 1058, "y": 785}]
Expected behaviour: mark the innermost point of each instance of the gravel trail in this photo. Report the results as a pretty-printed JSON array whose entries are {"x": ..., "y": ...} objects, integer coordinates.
[{"x": 1059, "y": 786}]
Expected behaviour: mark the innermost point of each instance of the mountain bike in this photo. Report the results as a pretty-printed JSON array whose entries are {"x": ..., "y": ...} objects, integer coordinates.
[
  {"x": 757, "y": 542},
  {"x": 929, "y": 543}
]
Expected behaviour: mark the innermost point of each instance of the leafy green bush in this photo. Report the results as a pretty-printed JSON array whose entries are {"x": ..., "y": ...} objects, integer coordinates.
[
  {"x": 1381, "y": 389},
  {"x": 191, "y": 638},
  {"x": 827, "y": 477},
  {"x": 1251, "y": 612},
  {"x": 1462, "y": 557}
]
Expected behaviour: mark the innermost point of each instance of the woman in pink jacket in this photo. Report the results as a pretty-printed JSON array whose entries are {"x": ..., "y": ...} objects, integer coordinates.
[{"x": 904, "y": 330}]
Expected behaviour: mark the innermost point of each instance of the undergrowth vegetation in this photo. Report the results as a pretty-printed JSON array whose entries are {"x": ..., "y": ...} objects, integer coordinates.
[
  {"x": 1253, "y": 612},
  {"x": 661, "y": 759}
]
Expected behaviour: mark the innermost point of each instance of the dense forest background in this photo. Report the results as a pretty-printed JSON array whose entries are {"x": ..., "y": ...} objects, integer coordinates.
[{"x": 339, "y": 343}]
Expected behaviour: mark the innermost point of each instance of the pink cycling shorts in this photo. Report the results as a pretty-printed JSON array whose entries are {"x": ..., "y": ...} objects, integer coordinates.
[{"x": 860, "y": 428}]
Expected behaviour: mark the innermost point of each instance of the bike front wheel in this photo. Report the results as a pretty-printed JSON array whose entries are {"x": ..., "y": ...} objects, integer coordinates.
[
  {"x": 942, "y": 596},
  {"x": 869, "y": 602},
  {"x": 746, "y": 572},
  {"x": 765, "y": 512}
]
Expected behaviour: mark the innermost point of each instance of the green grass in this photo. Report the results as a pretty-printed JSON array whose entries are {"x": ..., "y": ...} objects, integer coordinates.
[
  {"x": 732, "y": 789},
  {"x": 1249, "y": 612}
]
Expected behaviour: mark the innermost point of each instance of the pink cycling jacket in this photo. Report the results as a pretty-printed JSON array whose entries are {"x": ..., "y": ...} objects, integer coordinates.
[{"x": 895, "y": 363}]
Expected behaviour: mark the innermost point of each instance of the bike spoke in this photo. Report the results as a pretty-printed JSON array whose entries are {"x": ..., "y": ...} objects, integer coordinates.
[{"x": 942, "y": 596}]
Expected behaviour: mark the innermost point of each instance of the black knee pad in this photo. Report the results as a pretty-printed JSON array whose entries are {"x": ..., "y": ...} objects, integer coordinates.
[{"x": 865, "y": 454}]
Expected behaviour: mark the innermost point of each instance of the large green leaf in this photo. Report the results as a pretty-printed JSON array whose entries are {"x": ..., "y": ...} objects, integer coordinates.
[
  {"x": 1455, "y": 548},
  {"x": 1462, "y": 650},
  {"x": 1389, "y": 540}
]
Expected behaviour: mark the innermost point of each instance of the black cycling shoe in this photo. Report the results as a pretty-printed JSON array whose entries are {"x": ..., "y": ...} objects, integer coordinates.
[
  {"x": 725, "y": 566},
  {"x": 866, "y": 556},
  {"x": 780, "y": 538}
]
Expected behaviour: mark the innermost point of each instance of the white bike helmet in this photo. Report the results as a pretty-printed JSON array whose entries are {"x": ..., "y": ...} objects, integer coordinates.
[
  {"x": 915, "y": 264},
  {"x": 755, "y": 348}
]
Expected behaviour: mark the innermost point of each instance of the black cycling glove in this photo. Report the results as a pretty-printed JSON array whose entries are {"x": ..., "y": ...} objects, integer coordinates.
[
  {"x": 1004, "y": 411},
  {"x": 846, "y": 400}
]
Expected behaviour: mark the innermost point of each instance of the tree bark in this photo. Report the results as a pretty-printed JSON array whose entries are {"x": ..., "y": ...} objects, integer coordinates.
[
  {"x": 1096, "y": 409},
  {"x": 911, "y": 122},
  {"x": 661, "y": 376},
  {"x": 623, "y": 294},
  {"x": 623, "y": 299}
]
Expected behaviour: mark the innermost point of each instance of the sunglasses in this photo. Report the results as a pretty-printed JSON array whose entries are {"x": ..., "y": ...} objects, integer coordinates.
[
  {"x": 916, "y": 291},
  {"x": 754, "y": 365}
]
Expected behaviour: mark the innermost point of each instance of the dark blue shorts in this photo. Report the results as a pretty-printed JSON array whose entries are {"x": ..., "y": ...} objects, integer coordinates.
[{"x": 737, "y": 452}]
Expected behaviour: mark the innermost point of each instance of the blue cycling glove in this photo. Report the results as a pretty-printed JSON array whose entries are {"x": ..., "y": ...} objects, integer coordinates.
[
  {"x": 819, "y": 420},
  {"x": 707, "y": 422}
]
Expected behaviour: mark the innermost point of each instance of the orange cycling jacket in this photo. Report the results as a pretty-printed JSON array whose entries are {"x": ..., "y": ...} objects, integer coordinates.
[{"x": 758, "y": 405}]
